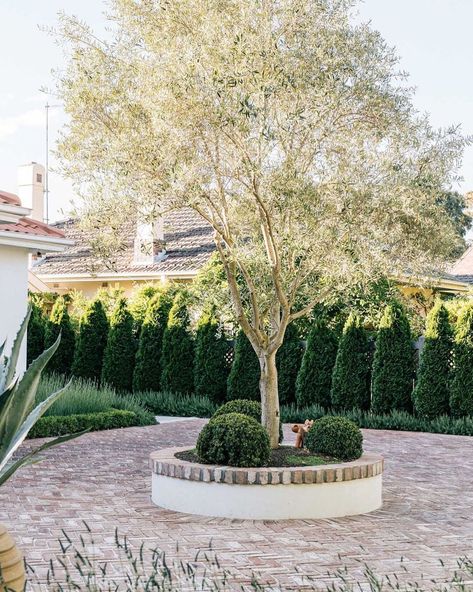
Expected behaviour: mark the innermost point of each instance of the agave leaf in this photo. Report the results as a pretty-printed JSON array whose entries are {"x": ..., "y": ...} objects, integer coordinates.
[
  {"x": 22, "y": 399},
  {"x": 6, "y": 394},
  {"x": 30, "y": 458},
  {"x": 9, "y": 370},
  {"x": 13, "y": 442}
]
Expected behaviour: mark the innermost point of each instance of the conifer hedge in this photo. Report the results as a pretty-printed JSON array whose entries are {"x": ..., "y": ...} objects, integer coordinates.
[
  {"x": 177, "y": 358},
  {"x": 431, "y": 394},
  {"x": 288, "y": 361},
  {"x": 35, "y": 334},
  {"x": 243, "y": 380},
  {"x": 147, "y": 374},
  {"x": 210, "y": 366},
  {"x": 393, "y": 364},
  {"x": 91, "y": 342},
  {"x": 119, "y": 356},
  {"x": 351, "y": 373},
  {"x": 60, "y": 322},
  {"x": 461, "y": 394},
  {"x": 315, "y": 375}
]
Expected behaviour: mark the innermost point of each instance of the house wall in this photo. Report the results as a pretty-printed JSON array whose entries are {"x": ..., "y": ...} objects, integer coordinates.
[
  {"x": 13, "y": 296},
  {"x": 90, "y": 288}
]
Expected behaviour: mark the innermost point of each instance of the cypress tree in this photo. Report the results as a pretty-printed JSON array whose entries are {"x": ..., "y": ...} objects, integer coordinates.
[
  {"x": 210, "y": 366},
  {"x": 315, "y": 375},
  {"x": 431, "y": 394},
  {"x": 351, "y": 373},
  {"x": 35, "y": 335},
  {"x": 91, "y": 342},
  {"x": 243, "y": 380},
  {"x": 119, "y": 355},
  {"x": 288, "y": 360},
  {"x": 177, "y": 358},
  {"x": 147, "y": 374},
  {"x": 393, "y": 364},
  {"x": 60, "y": 322},
  {"x": 461, "y": 393}
]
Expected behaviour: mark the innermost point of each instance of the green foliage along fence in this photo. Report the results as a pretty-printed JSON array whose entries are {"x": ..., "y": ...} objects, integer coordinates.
[
  {"x": 210, "y": 366},
  {"x": 243, "y": 380},
  {"x": 148, "y": 370},
  {"x": 35, "y": 335},
  {"x": 60, "y": 322},
  {"x": 315, "y": 376},
  {"x": 432, "y": 391},
  {"x": 461, "y": 396},
  {"x": 351, "y": 374},
  {"x": 288, "y": 360},
  {"x": 119, "y": 356},
  {"x": 91, "y": 342},
  {"x": 178, "y": 350},
  {"x": 393, "y": 364}
]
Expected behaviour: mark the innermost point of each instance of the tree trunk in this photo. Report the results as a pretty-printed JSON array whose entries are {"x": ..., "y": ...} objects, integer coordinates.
[{"x": 269, "y": 396}]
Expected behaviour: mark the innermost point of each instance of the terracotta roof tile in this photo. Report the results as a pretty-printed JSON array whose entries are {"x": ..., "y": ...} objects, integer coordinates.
[
  {"x": 9, "y": 198},
  {"x": 189, "y": 244},
  {"x": 29, "y": 226}
]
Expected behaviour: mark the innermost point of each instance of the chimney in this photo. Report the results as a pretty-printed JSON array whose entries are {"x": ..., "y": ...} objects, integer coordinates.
[
  {"x": 31, "y": 189},
  {"x": 149, "y": 242}
]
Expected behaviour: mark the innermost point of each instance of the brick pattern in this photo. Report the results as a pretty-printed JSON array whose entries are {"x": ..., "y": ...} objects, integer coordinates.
[
  {"x": 103, "y": 478},
  {"x": 164, "y": 462}
]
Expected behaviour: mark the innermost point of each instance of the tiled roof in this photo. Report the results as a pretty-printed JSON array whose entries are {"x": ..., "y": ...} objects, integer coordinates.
[
  {"x": 29, "y": 226},
  {"x": 188, "y": 240},
  {"x": 462, "y": 269},
  {"x": 9, "y": 198}
]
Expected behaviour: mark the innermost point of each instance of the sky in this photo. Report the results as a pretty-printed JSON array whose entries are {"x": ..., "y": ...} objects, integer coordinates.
[{"x": 432, "y": 37}]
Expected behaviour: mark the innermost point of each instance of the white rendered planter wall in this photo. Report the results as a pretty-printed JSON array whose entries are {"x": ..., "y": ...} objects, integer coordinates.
[{"x": 325, "y": 491}]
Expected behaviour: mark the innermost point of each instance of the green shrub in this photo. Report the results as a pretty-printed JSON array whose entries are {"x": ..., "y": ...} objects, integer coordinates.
[
  {"x": 174, "y": 404},
  {"x": 84, "y": 397},
  {"x": 335, "y": 436},
  {"x": 288, "y": 360},
  {"x": 119, "y": 355},
  {"x": 140, "y": 302},
  {"x": 244, "y": 406},
  {"x": 393, "y": 364},
  {"x": 58, "y": 425},
  {"x": 91, "y": 342},
  {"x": 351, "y": 373},
  {"x": 35, "y": 334},
  {"x": 315, "y": 375},
  {"x": 177, "y": 358},
  {"x": 210, "y": 366},
  {"x": 148, "y": 369},
  {"x": 431, "y": 394},
  {"x": 60, "y": 322},
  {"x": 461, "y": 394},
  {"x": 234, "y": 439},
  {"x": 243, "y": 380}
]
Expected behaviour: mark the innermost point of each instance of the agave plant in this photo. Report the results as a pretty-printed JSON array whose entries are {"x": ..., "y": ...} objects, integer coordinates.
[{"x": 18, "y": 413}]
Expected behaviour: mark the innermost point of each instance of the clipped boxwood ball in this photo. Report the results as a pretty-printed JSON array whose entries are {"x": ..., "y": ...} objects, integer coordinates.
[
  {"x": 247, "y": 407},
  {"x": 234, "y": 439},
  {"x": 335, "y": 436},
  {"x": 243, "y": 406}
]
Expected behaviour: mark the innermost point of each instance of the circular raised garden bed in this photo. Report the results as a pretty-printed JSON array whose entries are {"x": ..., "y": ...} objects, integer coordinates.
[{"x": 267, "y": 493}]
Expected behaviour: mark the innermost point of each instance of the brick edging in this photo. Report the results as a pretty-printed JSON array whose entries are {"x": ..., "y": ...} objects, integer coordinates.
[{"x": 163, "y": 462}]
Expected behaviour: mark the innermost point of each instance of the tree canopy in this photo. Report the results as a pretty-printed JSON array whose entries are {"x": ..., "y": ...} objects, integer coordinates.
[{"x": 285, "y": 124}]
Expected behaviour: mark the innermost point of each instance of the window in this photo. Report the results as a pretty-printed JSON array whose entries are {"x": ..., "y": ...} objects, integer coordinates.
[{"x": 39, "y": 178}]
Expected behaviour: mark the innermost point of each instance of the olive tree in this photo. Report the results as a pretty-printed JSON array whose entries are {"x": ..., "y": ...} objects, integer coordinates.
[{"x": 284, "y": 124}]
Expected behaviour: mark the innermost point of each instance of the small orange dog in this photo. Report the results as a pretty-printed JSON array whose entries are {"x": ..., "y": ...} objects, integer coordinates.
[{"x": 301, "y": 430}]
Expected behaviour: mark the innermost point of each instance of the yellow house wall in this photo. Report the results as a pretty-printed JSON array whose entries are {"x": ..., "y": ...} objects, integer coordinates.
[{"x": 90, "y": 288}]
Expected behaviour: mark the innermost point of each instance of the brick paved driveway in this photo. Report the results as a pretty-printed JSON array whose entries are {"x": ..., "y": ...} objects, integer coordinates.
[{"x": 103, "y": 478}]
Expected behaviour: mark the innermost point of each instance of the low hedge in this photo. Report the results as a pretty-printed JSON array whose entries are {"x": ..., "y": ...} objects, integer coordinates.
[
  {"x": 166, "y": 403},
  {"x": 335, "y": 436},
  {"x": 234, "y": 439},
  {"x": 58, "y": 425},
  {"x": 396, "y": 420}
]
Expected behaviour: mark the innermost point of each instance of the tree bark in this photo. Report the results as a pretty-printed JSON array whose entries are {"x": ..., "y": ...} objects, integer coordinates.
[{"x": 269, "y": 396}]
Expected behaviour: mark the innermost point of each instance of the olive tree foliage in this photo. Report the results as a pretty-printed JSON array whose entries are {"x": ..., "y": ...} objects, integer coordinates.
[{"x": 284, "y": 124}]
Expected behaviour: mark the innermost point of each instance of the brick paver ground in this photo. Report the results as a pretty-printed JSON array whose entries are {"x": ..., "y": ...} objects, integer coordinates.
[{"x": 103, "y": 478}]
